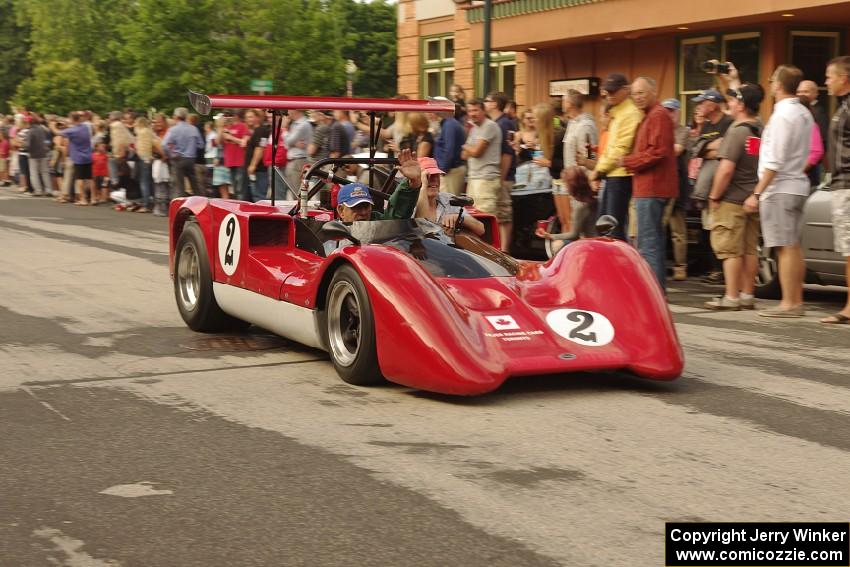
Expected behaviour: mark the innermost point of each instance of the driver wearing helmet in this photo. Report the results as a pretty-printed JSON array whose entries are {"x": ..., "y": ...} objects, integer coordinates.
[{"x": 354, "y": 201}]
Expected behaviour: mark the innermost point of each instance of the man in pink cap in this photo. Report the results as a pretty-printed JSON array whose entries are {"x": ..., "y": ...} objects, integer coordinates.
[{"x": 435, "y": 206}]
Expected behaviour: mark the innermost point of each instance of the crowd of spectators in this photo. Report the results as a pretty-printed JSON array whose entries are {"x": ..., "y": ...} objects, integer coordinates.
[{"x": 636, "y": 162}]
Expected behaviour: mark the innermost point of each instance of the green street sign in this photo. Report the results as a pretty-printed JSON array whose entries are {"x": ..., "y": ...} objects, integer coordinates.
[{"x": 261, "y": 85}]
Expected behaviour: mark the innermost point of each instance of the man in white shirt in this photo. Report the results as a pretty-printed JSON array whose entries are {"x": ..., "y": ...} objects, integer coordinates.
[{"x": 783, "y": 187}]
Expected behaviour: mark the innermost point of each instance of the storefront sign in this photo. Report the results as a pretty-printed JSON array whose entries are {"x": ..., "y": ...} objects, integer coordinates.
[{"x": 585, "y": 85}]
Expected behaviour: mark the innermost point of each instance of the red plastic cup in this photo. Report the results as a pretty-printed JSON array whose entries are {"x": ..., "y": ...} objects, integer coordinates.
[{"x": 543, "y": 224}]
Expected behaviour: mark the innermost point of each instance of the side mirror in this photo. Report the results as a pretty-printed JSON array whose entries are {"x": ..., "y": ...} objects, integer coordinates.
[
  {"x": 605, "y": 225},
  {"x": 335, "y": 230},
  {"x": 461, "y": 201}
]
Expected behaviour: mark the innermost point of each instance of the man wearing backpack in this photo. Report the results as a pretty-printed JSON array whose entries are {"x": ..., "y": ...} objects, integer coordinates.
[{"x": 734, "y": 231}]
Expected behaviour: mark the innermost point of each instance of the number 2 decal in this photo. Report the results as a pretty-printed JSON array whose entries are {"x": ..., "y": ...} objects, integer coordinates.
[
  {"x": 584, "y": 320},
  {"x": 586, "y": 328},
  {"x": 229, "y": 244},
  {"x": 229, "y": 230}
]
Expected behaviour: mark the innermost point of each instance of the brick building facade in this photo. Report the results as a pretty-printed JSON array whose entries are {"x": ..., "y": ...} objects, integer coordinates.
[{"x": 536, "y": 43}]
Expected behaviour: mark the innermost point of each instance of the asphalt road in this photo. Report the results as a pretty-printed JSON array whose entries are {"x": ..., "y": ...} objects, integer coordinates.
[{"x": 128, "y": 440}]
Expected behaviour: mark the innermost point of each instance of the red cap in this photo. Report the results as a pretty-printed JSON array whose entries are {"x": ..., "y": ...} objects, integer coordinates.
[{"x": 429, "y": 166}]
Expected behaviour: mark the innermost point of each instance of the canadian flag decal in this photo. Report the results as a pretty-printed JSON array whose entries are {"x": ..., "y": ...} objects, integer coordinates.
[{"x": 502, "y": 322}]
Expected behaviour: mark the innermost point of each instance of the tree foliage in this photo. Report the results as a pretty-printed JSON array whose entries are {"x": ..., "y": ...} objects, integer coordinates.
[
  {"x": 369, "y": 40},
  {"x": 62, "y": 86},
  {"x": 86, "y": 30},
  {"x": 148, "y": 53},
  {"x": 14, "y": 46}
]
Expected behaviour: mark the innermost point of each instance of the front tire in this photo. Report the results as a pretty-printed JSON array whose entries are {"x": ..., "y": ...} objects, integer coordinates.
[
  {"x": 193, "y": 285},
  {"x": 350, "y": 329}
]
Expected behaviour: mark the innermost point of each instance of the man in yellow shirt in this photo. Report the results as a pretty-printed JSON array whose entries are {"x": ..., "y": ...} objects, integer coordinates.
[{"x": 625, "y": 118}]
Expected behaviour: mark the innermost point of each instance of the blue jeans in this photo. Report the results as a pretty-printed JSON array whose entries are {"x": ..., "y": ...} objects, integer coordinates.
[
  {"x": 650, "y": 234},
  {"x": 239, "y": 184},
  {"x": 260, "y": 185},
  {"x": 146, "y": 183},
  {"x": 112, "y": 164},
  {"x": 280, "y": 190},
  {"x": 615, "y": 202}
]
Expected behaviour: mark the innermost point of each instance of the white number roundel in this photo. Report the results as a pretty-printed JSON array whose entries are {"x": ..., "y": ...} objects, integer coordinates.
[
  {"x": 586, "y": 328},
  {"x": 229, "y": 244}
]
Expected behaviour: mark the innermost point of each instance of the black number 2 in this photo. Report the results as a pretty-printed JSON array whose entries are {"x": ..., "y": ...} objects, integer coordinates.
[
  {"x": 230, "y": 230},
  {"x": 584, "y": 321}
]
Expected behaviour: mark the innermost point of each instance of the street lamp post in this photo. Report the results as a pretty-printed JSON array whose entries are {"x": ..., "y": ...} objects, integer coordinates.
[
  {"x": 350, "y": 70},
  {"x": 486, "y": 62}
]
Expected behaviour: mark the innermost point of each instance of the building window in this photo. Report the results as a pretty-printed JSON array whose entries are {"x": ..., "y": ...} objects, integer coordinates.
[
  {"x": 810, "y": 51},
  {"x": 740, "y": 48},
  {"x": 502, "y": 72},
  {"x": 438, "y": 65}
]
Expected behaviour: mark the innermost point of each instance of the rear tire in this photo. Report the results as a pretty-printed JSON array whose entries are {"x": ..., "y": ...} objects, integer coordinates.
[
  {"x": 349, "y": 329},
  {"x": 767, "y": 279},
  {"x": 193, "y": 285}
]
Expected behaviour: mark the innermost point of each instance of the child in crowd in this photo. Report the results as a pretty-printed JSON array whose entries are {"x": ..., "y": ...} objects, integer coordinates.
[
  {"x": 100, "y": 172},
  {"x": 584, "y": 209},
  {"x": 5, "y": 148},
  {"x": 214, "y": 154},
  {"x": 220, "y": 174}
]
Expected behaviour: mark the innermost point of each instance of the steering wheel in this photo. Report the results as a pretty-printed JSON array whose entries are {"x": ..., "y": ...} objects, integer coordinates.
[{"x": 318, "y": 179}]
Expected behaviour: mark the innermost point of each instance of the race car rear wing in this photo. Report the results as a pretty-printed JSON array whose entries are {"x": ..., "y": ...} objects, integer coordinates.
[
  {"x": 204, "y": 104},
  {"x": 277, "y": 105}
]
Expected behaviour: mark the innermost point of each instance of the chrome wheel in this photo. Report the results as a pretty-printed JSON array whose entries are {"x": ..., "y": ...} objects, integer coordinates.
[
  {"x": 767, "y": 270},
  {"x": 189, "y": 277},
  {"x": 344, "y": 317}
]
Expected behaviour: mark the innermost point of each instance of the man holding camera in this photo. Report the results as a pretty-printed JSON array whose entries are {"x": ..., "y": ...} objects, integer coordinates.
[{"x": 734, "y": 231}]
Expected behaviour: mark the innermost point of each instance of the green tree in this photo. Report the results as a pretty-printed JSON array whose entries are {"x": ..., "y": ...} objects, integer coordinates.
[
  {"x": 296, "y": 43},
  {"x": 86, "y": 30},
  {"x": 175, "y": 45},
  {"x": 369, "y": 39},
  {"x": 14, "y": 46},
  {"x": 150, "y": 52},
  {"x": 63, "y": 86}
]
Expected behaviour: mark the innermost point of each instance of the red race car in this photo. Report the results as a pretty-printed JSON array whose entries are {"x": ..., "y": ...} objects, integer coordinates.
[{"x": 404, "y": 299}]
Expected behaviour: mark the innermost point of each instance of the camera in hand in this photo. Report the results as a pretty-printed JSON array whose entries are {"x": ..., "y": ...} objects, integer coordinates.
[{"x": 712, "y": 67}]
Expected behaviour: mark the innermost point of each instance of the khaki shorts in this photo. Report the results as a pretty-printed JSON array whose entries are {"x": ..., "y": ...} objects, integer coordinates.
[
  {"x": 491, "y": 196},
  {"x": 452, "y": 181},
  {"x": 841, "y": 220},
  {"x": 4, "y": 165},
  {"x": 734, "y": 233}
]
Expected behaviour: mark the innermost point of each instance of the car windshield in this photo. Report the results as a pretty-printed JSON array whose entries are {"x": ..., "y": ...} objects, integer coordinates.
[{"x": 443, "y": 255}]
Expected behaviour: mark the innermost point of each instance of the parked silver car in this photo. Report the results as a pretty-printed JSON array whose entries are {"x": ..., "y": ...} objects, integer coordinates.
[{"x": 824, "y": 265}]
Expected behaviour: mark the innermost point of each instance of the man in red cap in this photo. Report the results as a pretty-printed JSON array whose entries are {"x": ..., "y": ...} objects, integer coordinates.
[{"x": 436, "y": 206}]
